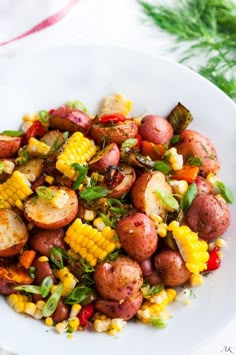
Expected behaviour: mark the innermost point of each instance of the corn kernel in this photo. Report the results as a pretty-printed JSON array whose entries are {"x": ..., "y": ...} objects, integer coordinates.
[
  {"x": 29, "y": 116},
  {"x": 49, "y": 179},
  {"x": 220, "y": 243},
  {"x": 74, "y": 323},
  {"x": 30, "y": 308},
  {"x": 49, "y": 321},
  {"x": 38, "y": 314},
  {"x": 37, "y": 148},
  {"x": 19, "y": 205},
  {"x": 89, "y": 215},
  {"x": 75, "y": 310},
  {"x": 61, "y": 327},
  {"x": 8, "y": 167},
  {"x": 19, "y": 306},
  {"x": 99, "y": 224},
  {"x": 196, "y": 280},
  {"x": 40, "y": 304},
  {"x": 43, "y": 259},
  {"x": 12, "y": 299},
  {"x": 179, "y": 186}
]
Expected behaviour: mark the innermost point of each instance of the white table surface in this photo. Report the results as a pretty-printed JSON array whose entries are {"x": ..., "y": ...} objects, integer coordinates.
[{"x": 119, "y": 23}]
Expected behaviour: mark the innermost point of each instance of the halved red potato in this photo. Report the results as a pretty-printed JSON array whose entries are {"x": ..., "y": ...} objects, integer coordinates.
[
  {"x": 9, "y": 146},
  {"x": 13, "y": 233},
  {"x": 106, "y": 157},
  {"x": 54, "y": 139},
  {"x": 44, "y": 215},
  {"x": 32, "y": 169},
  {"x": 115, "y": 309},
  {"x": 143, "y": 193},
  {"x": 126, "y": 183},
  {"x": 194, "y": 144},
  {"x": 70, "y": 119},
  {"x": 12, "y": 276},
  {"x": 117, "y": 133},
  {"x": 156, "y": 129}
]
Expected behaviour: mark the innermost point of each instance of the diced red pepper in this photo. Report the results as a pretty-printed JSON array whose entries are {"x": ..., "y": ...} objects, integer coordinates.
[
  {"x": 112, "y": 118},
  {"x": 214, "y": 260},
  {"x": 188, "y": 173},
  {"x": 139, "y": 142},
  {"x": 51, "y": 111},
  {"x": 154, "y": 151},
  {"x": 85, "y": 314},
  {"x": 37, "y": 130}
]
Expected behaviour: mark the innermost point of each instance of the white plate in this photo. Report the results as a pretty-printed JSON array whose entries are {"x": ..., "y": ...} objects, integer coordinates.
[{"x": 155, "y": 85}]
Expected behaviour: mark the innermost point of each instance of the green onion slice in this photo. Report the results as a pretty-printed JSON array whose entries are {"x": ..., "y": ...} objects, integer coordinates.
[
  {"x": 12, "y": 133},
  {"x": 44, "y": 192},
  {"x": 129, "y": 143},
  {"x": 78, "y": 295},
  {"x": 51, "y": 304},
  {"x": 225, "y": 191},
  {"x": 188, "y": 197},
  {"x": 46, "y": 286},
  {"x": 162, "y": 166},
  {"x": 94, "y": 192},
  {"x": 168, "y": 199},
  {"x": 43, "y": 116},
  {"x": 29, "y": 289}
]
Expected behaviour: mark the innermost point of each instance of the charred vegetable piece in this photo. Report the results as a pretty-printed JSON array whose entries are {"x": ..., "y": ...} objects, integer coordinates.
[{"x": 179, "y": 118}]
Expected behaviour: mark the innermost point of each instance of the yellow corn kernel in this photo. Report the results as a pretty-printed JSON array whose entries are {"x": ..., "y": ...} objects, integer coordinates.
[
  {"x": 116, "y": 104},
  {"x": 30, "y": 308},
  {"x": 49, "y": 179},
  {"x": 19, "y": 306},
  {"x": 175, "y": 159},
  {"x": 69, "y": 336},
  {"x": 112, "y": 332},
  {"x": 75, "y": 309},
  {"x": 30, "y": 116},
  {"x": 80, "y": 236},
  {"x": 8, "y": 166},
  {"x": 220, "y": 243},
  {"x": 100, "y": 325},
  {"x": 99, "y": 224},
  {"x": 12, "y": 299},
  {"x": 37, "y": 148},
  {"x": 48, "y": 321},
  {"x": 78, "y": 149},
  {"x": 38, "y": 314},
  {"x": 89, "y": 215},
  {"x": 40, "y": 304},
  {"x": 74, "y": 323},
  {"x": 61, "y": 327},
  {"x": 162, "y": 230},
  {"x": 43, "y": 259},
  {"x": 68, "y": 281},
  {"x": 60, "y": 199},
  {"x": 52, "y": 289},
  {"x": 193, "y": 250},
  {"x": 156, "y": 219},
  {"x": 196, "y": 280},
  {"x": 19, "y": 205},
  {"x": 212, "y": 179},
  {"x": 118, "y": 324},
  {"x": 179, "y": 186}
]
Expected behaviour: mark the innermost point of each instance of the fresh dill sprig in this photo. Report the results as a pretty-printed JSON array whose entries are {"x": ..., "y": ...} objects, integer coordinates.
[{"x": 208, "y": 27}]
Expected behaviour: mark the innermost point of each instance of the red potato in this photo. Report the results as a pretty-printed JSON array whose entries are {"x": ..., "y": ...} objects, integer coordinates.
[
  {"x": 156, "y": 129},
  {"x": 9, "y": 146},
  {"x": 13, "y": 233},
  {"x": 146, "y": 267},
  {"x": 129, "y": 178},
  {"x": 106, "y": 157},
  {"x": 42, "y": 270},
  {"x": 125, "y": 310},
  {"x": 44, "y": 215},
  {"x": 171, "y": 268},
  {"x": 70, "y": 119},
  {"x": 118, "y": 279},
  {"x": 138, "y": 236},
  {"x": 143, "y": 193},
  {"x": 194, "y": 144},
  {"x": 154, "y": 279},
  {"x": 61, "y": 313},
  {"x": 117, "y": 133},
  {"x": 12, "y": 276},
  {"x": 32, "y": 169},
  {"x": 203, "y": 186},
  {"x": 209, "y": 216},
  {"x": 43, "y": 240}
]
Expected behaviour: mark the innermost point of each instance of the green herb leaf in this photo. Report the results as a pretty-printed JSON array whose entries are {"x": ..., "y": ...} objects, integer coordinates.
[
  {"x": 106, "y": 220},
  {"x": 83, "y": 170},
  {"x": 86, "y": 266},
  {"x": 175, "y": 139},
  {"x": 51, "y": 304},
  {"x": 191, "y": 160},
  {"x": 24, "y": 156},
  {"x": 225, "y": 191},
  {"x": 113, "y": 256},
  {"x": 188, "y": 197},
  {"x": 93, "y": 193},
  {"x": 168, "y": 199},
  {"x": 158, "y": 322},
  {"x": 12, "y": 133},
  {"x": 46, "y": 286},
  {"x": 129, "y": 143},
  {"x": 162, "y": 166},
  {"x": 29, "y": 289},
  {"x": 154, "y": 289},
  {"x": 78, "y": 295},
  {"x": 44, "y": 192}
]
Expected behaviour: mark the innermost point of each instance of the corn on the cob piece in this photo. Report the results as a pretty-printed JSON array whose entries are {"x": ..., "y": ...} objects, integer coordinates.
[
  {"x": 78, "y": 149},
  {"x": 37, "y": 148},
  {"x": 193, "y": 250},
  {"x": 17, "y": 187},
  {"x": 149, "y": 310},
  {"x": 8, "y": 166},
  {"x": 116, "y": 104},
  {"x": 89, "y": 243},
  {"x": 68, "y": 281}
]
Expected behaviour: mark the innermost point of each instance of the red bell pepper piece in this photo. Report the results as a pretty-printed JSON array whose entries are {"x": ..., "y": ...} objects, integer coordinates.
[
  {"x": 214, "y": 260},
  {"x": 112, "y": 118},
  {"x": 51, "y": 111},
  {"x": 37, "y": 130},
  {"x": 139, "y": 142},
  {"x": 85, "y": 314}
]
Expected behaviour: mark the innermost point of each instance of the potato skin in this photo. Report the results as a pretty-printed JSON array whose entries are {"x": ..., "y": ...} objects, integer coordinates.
[
  {"x": 171, "y": 268},
  {"x": 11, "y": 276},
  {"x": 42, "y": 270},
  {"x": 126, "y": 183},
  {"x": 9, "y": 146},
  {"x": 124, "y": 310},
  {"x": 209, "y": 216},
  {"x": 144, "y": 197},
  {"x": 156, "y": 129},
  {"x": 69, "y": 119},
  {"x": 43, "y": 215},
  {"x": 118, "y": 279},
  {"x": 192, "y": 143},
  {"x": 138, "y": 236},
  {"x": 13, "y": 233},
  {"x": 110, "y": 155},
  {"x": 43, "y": 240},
  {"x": 61, "y": 313},
  {"x": 203, "y": 186},
  {"x": 116, "y": 134}
]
